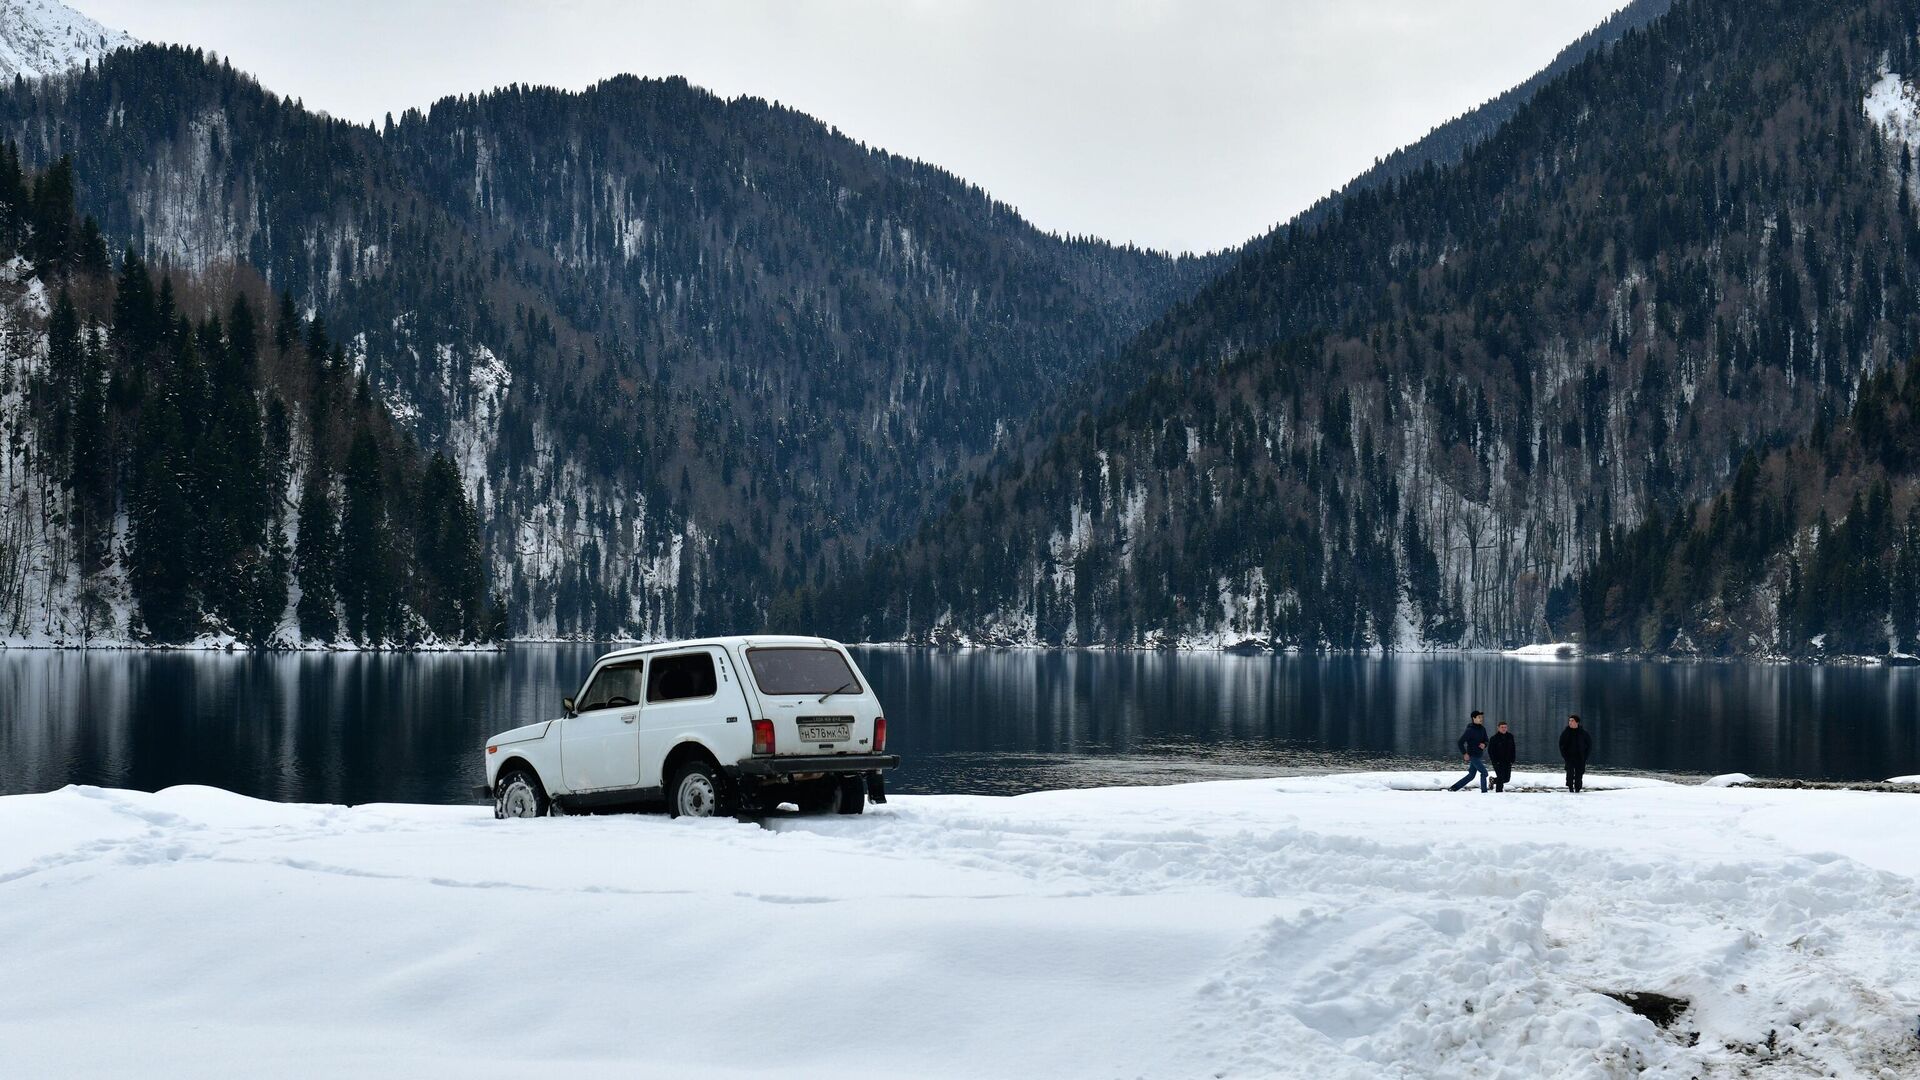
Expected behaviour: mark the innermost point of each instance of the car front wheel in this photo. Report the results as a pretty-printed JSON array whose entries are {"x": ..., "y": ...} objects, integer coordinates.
[
  {"x": 697, "y": 791},
  {"x": 518, "y": 794}
]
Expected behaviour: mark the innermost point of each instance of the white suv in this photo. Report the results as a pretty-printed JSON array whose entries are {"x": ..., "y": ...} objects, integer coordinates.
[{"x": 731, "y": 725}]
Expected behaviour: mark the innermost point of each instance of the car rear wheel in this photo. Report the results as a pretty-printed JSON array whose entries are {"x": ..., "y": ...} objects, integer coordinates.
[
  {"x": 518, "y": 794},
  {"x": 817, "y": 796},
  {"x": 852, "y": 795},
  {"x": 697, "y": 791}
]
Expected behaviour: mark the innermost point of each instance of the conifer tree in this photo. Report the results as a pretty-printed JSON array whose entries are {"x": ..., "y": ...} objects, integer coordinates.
[
  {"x": 234, "y": 469},
  {"x": 51, "y": 223},
  {"x": 316, "y": 556},
  {"x": 92, "y": 472},
  {"x": 92, "y": 249},
  {"x": 362, "y": 570},
  {"x": 447, "y": 552},
  {"x": 286, "y": 325},
  {"x": 160, "y": 510},
  {"x": 136, "y": 322},
  {"x": 66, "y": 363},
  {"x": 13, "y": 198},
  {"x": 1906, "y": 586}
]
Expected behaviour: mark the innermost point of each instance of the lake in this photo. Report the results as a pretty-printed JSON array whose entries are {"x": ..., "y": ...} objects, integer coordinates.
[{"x": 352, "y": 728}]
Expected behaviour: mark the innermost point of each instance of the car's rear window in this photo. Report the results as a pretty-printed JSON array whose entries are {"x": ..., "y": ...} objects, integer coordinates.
[
  {"x": 802, "y": 671},
  {"x": 680, "y": 678}
]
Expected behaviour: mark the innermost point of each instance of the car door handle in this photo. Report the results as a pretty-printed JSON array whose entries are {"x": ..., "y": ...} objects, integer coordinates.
[{"x": 628, "y": 719}]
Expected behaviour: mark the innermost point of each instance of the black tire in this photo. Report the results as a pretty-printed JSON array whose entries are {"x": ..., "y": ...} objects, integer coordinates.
[
  {"x": 517, "y": 793},
  {"x": 851, "y": 794},
  {"x": 698, "y": 790},
  {"x": 817, "y": 796}
]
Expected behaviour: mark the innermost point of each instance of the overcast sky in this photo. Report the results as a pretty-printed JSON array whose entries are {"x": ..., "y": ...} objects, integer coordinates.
[{"x": 1184, "y": 126}]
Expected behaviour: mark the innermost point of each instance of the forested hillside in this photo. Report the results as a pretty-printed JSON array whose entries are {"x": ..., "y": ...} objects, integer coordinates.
[
  {"x": 1412, "y": 424},
  {"x": 177, "y": 465},
  {"x": 689, "y": 352},
  {"x": 1812, "y": 551},
  {"x": 692, "y": 364}
]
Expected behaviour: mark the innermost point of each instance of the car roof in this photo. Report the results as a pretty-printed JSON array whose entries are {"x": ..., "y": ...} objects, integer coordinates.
[{"x": 736, "y": 640}]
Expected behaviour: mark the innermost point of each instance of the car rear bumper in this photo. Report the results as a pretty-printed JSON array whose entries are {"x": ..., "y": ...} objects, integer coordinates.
[{"x": 779, "y": 768}]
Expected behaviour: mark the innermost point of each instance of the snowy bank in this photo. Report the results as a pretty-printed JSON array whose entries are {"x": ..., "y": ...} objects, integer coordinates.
[
  {"x": 1552, "y": 650},
  {"x": 1344, "y": 926}
]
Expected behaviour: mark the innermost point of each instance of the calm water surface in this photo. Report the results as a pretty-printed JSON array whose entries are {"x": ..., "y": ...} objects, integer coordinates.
[{"x": 365, "y": 728}]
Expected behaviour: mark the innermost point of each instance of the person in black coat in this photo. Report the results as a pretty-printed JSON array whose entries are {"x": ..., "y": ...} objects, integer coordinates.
[
  {"x": 1576, "y": 746},
  {"x": 1500, "y": 751}
]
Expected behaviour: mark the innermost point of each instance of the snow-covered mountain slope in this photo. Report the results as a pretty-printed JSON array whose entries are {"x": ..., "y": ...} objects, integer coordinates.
[
  {"x": 46, "y": 37},
  {"x": 1328, "y": 927},
  {"x": 1414, "y": 425},
  {"x": 693, "y": 351},
  {"x": 165, "y": 478}
]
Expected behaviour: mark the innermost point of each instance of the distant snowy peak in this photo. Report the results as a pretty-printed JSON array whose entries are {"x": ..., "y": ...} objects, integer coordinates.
[{"x": 45, "y": 37}]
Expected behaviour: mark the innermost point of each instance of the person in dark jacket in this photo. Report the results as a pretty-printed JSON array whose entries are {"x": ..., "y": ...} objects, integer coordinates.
[
  {"x": 1576, "y": 746},
  {"x": 1501, "y": 752},
  {"x": 1473, "y": 751}
]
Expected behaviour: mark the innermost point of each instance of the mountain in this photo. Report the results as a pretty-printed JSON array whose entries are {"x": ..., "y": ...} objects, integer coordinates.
[
  {"x": 177, "y": 466},
  {"x": 1413, "y": 424},
  {"x": 689, "y": 352},
  {"x": 45, "y": 37},
  {"x": 1447, "y": 143}
]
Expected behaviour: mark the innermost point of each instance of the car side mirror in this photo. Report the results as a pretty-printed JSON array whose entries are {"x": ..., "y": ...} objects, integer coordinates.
[{"x": 567, "y": 704}]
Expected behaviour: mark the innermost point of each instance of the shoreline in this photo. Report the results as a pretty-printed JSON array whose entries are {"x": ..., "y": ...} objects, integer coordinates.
[
  {"x": 1516, "y": 655},
  {"x": 235, "y": 648},
  {"x": 1535, "y": 778}
]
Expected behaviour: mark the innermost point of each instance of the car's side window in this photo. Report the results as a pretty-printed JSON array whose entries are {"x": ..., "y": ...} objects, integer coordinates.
[
  {"x": 615, "y": 685},
  {"x": 678, "y": 678}
]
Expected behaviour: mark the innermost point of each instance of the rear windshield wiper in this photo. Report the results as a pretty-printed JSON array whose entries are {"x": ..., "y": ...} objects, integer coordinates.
[{"x": 845, "y": 686}]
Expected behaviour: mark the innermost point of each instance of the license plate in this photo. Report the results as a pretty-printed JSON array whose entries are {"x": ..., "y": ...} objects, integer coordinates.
[{"x": 824, "y": 732}]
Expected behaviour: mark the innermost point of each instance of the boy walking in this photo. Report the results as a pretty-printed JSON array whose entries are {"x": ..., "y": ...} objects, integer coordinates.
[
  {"x": 1473, "y": 749},
  {"x": 1500, "y": 750}
]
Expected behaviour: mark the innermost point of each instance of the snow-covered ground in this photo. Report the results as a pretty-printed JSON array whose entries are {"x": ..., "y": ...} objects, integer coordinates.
[{"x": 1346, "y": 926}]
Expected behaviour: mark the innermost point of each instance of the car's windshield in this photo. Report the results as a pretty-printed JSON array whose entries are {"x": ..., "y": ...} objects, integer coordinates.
[{"x": 802, "y": 671}]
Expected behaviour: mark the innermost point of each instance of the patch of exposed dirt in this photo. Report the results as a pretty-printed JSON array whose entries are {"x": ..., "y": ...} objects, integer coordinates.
[
  {"x": 1662, "y": 1009},
  {"x": 1834, "y": 785}
]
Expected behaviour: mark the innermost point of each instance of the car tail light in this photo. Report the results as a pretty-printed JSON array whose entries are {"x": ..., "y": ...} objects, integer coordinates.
[
  {"x": 762, "y": 737},
  {"x": 879, "y": 733}
]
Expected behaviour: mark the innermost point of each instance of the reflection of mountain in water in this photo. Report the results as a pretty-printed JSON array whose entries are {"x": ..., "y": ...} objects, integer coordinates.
[{"x": 367, "y": 727}]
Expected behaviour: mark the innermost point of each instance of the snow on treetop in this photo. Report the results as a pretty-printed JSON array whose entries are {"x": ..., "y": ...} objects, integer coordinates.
[{"x": 45, "y": 37}]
